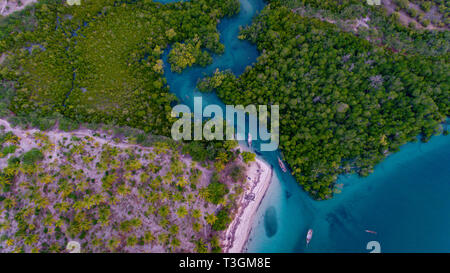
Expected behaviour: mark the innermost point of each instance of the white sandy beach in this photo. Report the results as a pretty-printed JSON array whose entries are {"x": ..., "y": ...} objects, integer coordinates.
[{"x": 259, "y": 176}]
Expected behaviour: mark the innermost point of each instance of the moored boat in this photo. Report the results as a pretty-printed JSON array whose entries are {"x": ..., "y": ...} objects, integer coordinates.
[
  {"x": 282, "y": 165},
  {"x": 249, "y": 140},
  {"x": 309, "y": 236}
]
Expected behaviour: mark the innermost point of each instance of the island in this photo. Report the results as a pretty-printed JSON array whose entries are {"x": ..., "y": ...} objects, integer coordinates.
[{"x": 87, "y": 162}]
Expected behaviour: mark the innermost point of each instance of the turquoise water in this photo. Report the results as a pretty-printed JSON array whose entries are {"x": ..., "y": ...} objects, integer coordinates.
[
  {"x": 406, "y": 200},
  {"x": 238, "y": 55}
]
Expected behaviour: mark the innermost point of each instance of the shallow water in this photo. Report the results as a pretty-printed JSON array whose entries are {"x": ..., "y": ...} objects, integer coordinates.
[
  {"x": 270, "y": 222},
  {"x": 238, "y": 55},
  {"x": 405, "y": 200}
]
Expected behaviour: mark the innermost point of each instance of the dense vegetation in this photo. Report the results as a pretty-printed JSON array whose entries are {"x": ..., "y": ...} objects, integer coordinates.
[
  {"x": 378, "y": 27},
  {"x": 348, "y": 96},
  {"x": 344, "y": 102},
  {"x": 101, "y": 61}
]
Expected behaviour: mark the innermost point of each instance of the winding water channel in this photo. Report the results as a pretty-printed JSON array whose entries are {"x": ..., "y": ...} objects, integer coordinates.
[{"x": 406, "y": 200}]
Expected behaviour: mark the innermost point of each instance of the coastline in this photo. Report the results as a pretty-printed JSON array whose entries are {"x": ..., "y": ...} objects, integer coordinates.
[
  {"x": 13, "y": 6},
  {"x": 259, "y": 175}
]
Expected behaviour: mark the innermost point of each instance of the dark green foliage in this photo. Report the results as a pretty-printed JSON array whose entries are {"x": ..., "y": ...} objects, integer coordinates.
[
  {"x": 13, "y": 161},
  {"x": 248, "y": 157},
  {"x": 216, "y": 190},
  {"x": 201, "y": 151},
  {"x": 186, "y": 54},
  {"x": 32, "y": 156},
  {"x": 68, "y": 125},
  {"x": 223, "y": 220},
  {"x": 100, "y": 62},
  {"x": 238, "y": 173},
  {"x": 5, "y": 136},
  {"x": 196, "y": 150},
  {"x": 6, "y": 94},
  {"x": 18, "y": 22},
  {"x": 344, "y": 103},
  {"x": 10, "y": 149},
  {"x": 383, "y": 30}
]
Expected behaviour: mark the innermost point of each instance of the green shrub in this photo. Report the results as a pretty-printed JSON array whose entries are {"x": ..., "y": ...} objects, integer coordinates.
[
  {"x": 8, "y": 150},
  {"x": 32, "y": 156},
  {"x": 68, "y": 125},
  {"x": 217, "y": 192},
  {"x": 248, "y": 157},
  {"x": 223, "y": 220},
  {"x": 196, "y": 150}
]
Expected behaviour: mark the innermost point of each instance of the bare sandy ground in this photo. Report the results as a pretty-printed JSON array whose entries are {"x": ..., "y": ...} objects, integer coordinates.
[
  {"x": 57, "y": 135},
  {"x": 12, "y": 6},
  {"x": 348, "y": 25},
  {"x": 94, "y": 147},
  {"x": 259, "y": 176},
  {"x": 27, "y": 141}
]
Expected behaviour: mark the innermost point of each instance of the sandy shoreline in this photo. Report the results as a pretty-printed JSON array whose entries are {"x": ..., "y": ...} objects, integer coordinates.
[{"x": 236, "y": 236}]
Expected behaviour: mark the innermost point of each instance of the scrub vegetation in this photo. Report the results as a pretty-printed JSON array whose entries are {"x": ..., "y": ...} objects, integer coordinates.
[{"x": 111, "y": 195}]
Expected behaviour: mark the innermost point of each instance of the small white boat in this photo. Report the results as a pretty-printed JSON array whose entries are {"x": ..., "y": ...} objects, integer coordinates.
[
  {"x": 282, "y": 165},
  {"x": 309, "y": 236},
  {"x": 249, "y": 140}
]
